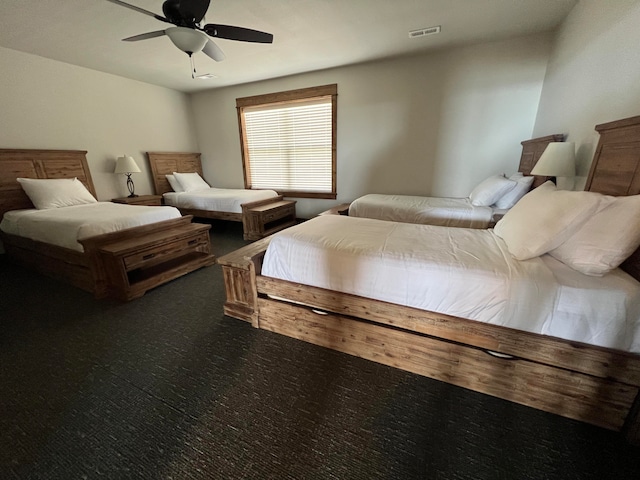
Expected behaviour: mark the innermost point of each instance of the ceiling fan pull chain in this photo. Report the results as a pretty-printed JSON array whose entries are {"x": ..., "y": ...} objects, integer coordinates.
[{"x": 193, "y": 66}]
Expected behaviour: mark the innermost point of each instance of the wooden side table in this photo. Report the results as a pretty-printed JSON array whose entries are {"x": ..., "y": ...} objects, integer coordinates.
[
  {"x": 150, "y": 200},
  {"x": 342, "y": 209}
]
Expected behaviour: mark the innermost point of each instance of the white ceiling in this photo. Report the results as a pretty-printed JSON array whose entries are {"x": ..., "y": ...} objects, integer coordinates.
[{"x": 308, "y": 34}]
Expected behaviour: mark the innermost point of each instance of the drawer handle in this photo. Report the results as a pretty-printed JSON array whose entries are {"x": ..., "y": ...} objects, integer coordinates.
[
  {"x": 148, "y": 256},
  {"x": 192, "y": 242}
]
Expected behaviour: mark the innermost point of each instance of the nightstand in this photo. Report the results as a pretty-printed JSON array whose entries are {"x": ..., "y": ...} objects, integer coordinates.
[
  {"x": 151, "y": 200},
  {"x": 342, "y": 209}
]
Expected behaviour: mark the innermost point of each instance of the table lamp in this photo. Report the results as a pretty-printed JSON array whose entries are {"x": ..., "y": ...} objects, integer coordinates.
[
  {"x": 557, "y": 160},
  {"x": 127, "y": 165}
]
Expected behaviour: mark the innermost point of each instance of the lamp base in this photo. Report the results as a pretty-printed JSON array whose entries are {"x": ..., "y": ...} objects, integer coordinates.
[{"x": 130, "y": 186}]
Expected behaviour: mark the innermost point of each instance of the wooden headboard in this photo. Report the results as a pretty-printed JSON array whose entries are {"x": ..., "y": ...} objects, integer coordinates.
[
  {"x": 38, "y": 164},
  {"x": 531, "y": 153},
  {"x": 165, "y": 163},
  {"x": 615, "y": 169}
]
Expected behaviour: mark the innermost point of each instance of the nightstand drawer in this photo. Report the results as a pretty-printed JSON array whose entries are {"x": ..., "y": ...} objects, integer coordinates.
[{"x": 164, "y": 252}]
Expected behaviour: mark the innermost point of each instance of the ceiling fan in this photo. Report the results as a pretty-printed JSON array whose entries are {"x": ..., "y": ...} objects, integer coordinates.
[{"x": 188, "y": 34}]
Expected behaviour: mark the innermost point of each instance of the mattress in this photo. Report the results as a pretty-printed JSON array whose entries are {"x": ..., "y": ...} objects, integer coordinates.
[
  {"x": 446, "y": 212},
  {"x": 65, "y": 226},
  {"x": 466, "y": 273},
  {"x": 228, "y": 200}
]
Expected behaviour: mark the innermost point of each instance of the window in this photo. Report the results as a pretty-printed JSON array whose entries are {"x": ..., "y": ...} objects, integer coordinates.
[{"x": 288, "y": 141}]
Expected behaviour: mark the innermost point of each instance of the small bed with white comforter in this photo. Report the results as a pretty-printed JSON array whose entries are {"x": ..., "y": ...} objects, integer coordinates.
[
  {"x": 488, "y": 201},
  {"x": 228, "y": 200},
  {"x": 442, "y": 211}
]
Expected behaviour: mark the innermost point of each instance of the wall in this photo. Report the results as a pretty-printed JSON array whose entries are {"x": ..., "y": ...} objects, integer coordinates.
[
  {"x": 434, "y": 124},
  {"x": 593, "y": 75},
  {"x": 52, "y": 105}
]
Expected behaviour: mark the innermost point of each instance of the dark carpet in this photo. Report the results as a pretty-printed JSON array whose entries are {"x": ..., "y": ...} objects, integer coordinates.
[{"x": 167, "y": 387}]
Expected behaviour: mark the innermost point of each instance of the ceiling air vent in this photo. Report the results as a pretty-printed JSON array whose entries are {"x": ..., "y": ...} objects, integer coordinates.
[{"x": 423, "y": 32}]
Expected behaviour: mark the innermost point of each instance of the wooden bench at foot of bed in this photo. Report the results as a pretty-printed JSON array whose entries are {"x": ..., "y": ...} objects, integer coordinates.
[
  {"x": 583, "y": 382},
  {"x": 123, "y": 264}
]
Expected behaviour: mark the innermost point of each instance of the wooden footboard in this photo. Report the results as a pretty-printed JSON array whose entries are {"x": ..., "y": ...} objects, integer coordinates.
[
  {"x": 56, "y": 262},
  {"x": 591, "y": 384}
]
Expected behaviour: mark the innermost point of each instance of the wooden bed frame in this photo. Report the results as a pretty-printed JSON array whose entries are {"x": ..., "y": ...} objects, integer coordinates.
[
  {"x": 584, "y": 382},
  {"x": 165, "y": 163},
  {"x": 98, "y": 269}
]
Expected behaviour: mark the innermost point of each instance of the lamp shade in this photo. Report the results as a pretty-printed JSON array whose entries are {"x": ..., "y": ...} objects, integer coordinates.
[
  {"x": 126, "y": 164},
  {"x": 557, "y": 160}
]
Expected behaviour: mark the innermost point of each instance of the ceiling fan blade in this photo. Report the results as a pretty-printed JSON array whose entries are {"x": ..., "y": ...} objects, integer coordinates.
[
  {"x": 237, "y": 33},
  {"x": 214, "y": 51},
  {"x": 193, "y": 9},
  {"x": 139, "y": 10},
  {"x": 144, "y": 36}
]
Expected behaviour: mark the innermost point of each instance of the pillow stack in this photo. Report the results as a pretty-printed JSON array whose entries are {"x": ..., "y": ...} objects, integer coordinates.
[
  {"x": 187, "y": 182},
  {"x": 606, "y": 240},
  {"x": 491, "y": 190},
  {"x": 522, "y": 186},
  {"x": 501, "y": 192},
  {"x": 47, "y": 193},
  {"x": 590, "y": 232}
]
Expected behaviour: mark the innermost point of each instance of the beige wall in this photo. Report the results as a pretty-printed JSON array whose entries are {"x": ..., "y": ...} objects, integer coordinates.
[
  {"x": 52, "y": 105},
  {"x": 593, "y": 75},
  {"x": 435, "y": 124}
]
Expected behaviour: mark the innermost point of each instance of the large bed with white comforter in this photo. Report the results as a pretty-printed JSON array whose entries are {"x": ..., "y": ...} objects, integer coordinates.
[
  {"x": 470, "y": 307},
  {"x": 487, "y": 202},
  {"x": 52, "y": 223},
  {"x": 66, "y": 227},
  {"x": 465, "y": 273}
]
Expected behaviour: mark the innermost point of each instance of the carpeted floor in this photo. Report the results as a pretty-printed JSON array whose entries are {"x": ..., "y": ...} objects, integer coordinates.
[{"x": 167, "y": 387}]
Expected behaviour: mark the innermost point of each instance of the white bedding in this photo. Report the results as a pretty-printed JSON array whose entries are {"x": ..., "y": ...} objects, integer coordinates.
[
  {"x": 65, "y": 226},
  {"x": 446, "y": 212},
  {"x": 466, "y": 273},
  {"x": 228, "y": 200}
]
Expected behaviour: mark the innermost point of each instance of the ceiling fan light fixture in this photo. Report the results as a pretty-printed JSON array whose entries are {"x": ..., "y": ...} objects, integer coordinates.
[{"x": 186, "y": 39}]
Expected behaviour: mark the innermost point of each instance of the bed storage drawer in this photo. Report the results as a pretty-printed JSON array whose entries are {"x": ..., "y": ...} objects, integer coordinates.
[{"x": 595, "y": 400}]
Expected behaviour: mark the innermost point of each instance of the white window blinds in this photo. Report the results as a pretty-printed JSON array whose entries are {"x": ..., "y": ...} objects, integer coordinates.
[{"x": 289, "y": 145}]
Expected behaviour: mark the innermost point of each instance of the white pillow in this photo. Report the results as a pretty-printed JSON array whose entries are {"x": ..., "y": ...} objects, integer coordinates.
[
  {"x": 544, "y": 219},
  {"x": 605, "y": 240},
  {"x": 175, "y": 185},
  {"x": 191, "y": 181},
  {"x": 56, "y": 192},
  {"x": 523, "y": 185},
  {"x": 491, "y": 190}
]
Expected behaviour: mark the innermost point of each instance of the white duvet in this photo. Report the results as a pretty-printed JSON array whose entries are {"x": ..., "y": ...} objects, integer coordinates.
[
  {"x": 228, "y": 200},
  {"x": 65, "y": 226},
  {"x": 446, "y": 212},
  {"x": 462, "y": 272}
]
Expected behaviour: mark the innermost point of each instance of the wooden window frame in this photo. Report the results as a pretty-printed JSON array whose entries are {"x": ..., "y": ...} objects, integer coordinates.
[{"x": 288, "y": 97}]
